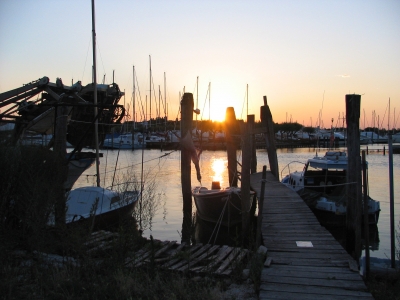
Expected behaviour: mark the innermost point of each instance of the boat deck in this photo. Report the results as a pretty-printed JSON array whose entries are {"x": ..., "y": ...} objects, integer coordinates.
[{"x": 304, "y": 260}]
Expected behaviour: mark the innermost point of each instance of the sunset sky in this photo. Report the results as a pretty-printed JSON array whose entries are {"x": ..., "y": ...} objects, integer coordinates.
[{"x": 304, "y": 55}]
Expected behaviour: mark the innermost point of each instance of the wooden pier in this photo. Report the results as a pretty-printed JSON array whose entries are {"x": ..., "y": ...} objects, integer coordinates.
[{"x": 304, "y": 260}]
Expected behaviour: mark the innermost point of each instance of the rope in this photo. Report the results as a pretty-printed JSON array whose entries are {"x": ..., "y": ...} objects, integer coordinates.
[{"x": 219, "y": 223}]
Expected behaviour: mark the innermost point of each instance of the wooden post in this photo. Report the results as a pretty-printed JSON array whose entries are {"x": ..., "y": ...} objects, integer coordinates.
[
  {"x": 261, "y": 207},
  {"x": 266, "y": 119},
  {"x": 231, "y": 144},
  {"x": 245, "y": 179},
  {"x": 187, "y": 105},
  {"x": 353, "y": 189},
  {"x": 366, "y": 225},
  {"x": 250, "y": 122},
  {"x": 60, "y": 149},
  {"x": 391, "y": 195}
]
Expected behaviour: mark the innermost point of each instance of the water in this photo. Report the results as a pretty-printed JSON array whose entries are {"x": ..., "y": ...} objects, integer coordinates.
[{"x": 164, "y": 169}]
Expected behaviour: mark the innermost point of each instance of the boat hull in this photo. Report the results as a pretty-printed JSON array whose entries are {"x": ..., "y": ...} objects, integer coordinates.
[
  {"x": 98, "y": 207},
  {"x": 220, "y": 206},
  {"x": 331, "y": 219}
]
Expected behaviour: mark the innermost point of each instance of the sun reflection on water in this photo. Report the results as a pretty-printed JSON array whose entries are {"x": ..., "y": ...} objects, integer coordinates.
[{"x": 219, "y": 167}]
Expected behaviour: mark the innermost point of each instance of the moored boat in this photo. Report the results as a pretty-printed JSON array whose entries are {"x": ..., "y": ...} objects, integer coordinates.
[
  {"x": 220, "y": 205},
  {"x": 322, "y": 184},
  {"x": 102, "y": 206}
]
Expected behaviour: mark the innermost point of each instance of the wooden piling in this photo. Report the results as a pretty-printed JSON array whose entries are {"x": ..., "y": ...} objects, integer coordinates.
[
  {"x": 366, "y": 225},
  {"x": 60, "y": 149},
  {"x": 353, "y": 189},
  {"x": 266, "y": 119},
  {"x": 187, "y": 105},
  {"x": 245, "y": 179},
  {"x": 231, "y": 145},
  {"x": 253, "y": 164}
]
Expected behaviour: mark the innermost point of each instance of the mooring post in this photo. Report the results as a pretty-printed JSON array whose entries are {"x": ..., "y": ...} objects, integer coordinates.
[
  {"x": 60, "y": 149},
  {"x": 250, "y": 122},
  {"x": 231, "y": 144},
  {"x": 391, "y": 195},
  {"x": 187, "y": 105},
  {"x": 366, "y": 222},
  {"x": 266, "y": 119},
  {"x": 353, "y": 189},
  {"x": 245, "y": 178}
]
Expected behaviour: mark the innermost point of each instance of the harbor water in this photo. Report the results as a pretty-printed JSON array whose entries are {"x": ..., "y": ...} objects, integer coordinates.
[{"x": 162, "y": 168}]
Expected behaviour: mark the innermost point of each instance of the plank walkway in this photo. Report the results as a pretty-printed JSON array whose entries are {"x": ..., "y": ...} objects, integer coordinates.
[
  {"x": 198, "y": 259},
  {"x": 323, "y": 270}
]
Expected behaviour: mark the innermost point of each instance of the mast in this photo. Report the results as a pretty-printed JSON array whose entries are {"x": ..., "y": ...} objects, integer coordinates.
[
  {"x": 165, "y": 101},
  {"x": 133, "y": 101},
  {"x": 209, "y": 101},
  {"x": 389, "y": 117},
  {"x": 247, "y": 101},
  {"x": 96, "y": 123},
  {"x": 197, "y": 98},
  {"x": 150, "y": 90}
]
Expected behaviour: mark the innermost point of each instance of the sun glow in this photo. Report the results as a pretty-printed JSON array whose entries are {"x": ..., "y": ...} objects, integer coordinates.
[{"x": 218, "y": 167}]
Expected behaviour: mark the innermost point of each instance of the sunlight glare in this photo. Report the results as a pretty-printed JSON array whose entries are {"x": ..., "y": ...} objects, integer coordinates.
[{"x": 218, "y": 167}]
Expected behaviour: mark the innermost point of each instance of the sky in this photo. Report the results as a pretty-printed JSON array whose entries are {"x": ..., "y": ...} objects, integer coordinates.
[{"x": 304, "y": 55}]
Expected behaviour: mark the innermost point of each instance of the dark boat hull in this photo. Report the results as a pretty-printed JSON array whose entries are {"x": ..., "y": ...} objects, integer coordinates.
[{"x": 220, "y": 206}]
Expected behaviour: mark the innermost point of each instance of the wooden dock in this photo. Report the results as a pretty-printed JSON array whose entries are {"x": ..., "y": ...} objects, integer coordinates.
[{"x": 304, "y": 260}]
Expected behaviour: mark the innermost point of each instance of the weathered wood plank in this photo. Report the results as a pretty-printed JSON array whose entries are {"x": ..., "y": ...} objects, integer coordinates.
[
  {"x": 314, "y": 290},
  {"x": 228, "y": 260}
]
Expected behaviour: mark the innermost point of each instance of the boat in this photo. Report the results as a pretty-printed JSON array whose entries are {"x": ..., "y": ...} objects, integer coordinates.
[
  {"x": 102, "y": 206},
  {"x": 396, "y": 138},
  {"x": 125, "y": 141},
  {"x": 322, "y": 184},
  {"x": 221, "y": 206}
]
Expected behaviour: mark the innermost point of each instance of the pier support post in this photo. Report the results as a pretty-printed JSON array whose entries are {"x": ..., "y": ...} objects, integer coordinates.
[
  {"x": 245, "y": 177},
  {"x": 187, "y": 105},
  {"x": 60, "y": 148},
  {"x": 231, "y": 128},
  {"x": 251, "y": 121},
  {"x": 353, "y": 190},
  {"x": 266, "y": 119}
]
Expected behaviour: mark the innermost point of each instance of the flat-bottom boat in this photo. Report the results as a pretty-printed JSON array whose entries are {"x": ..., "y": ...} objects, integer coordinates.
[{"x": 220, "y": 205}]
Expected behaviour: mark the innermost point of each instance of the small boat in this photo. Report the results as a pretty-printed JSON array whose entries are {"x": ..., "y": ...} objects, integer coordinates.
[
  {"x": 104, "y": 206},
  {"x": 219, "y": 205},
  {"x": 322, "y": 184}
]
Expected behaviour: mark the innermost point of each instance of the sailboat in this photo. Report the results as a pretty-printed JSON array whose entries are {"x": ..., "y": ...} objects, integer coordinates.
[{"x": 100, "y": 206}]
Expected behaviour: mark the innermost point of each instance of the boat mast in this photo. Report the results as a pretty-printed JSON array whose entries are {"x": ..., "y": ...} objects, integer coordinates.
[
  {"x": 96, "y": 123},
  {"x": 150, "y": 90},
  {"x": 209, "y": 101},
  {"x": 165, "y": 101},
  {"x": 133, "y": 101},
  {"x": 247, "y": 100}
]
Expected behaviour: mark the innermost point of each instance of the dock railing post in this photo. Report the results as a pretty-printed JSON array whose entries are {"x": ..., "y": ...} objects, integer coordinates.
[{"x": 260, "y": 207}]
